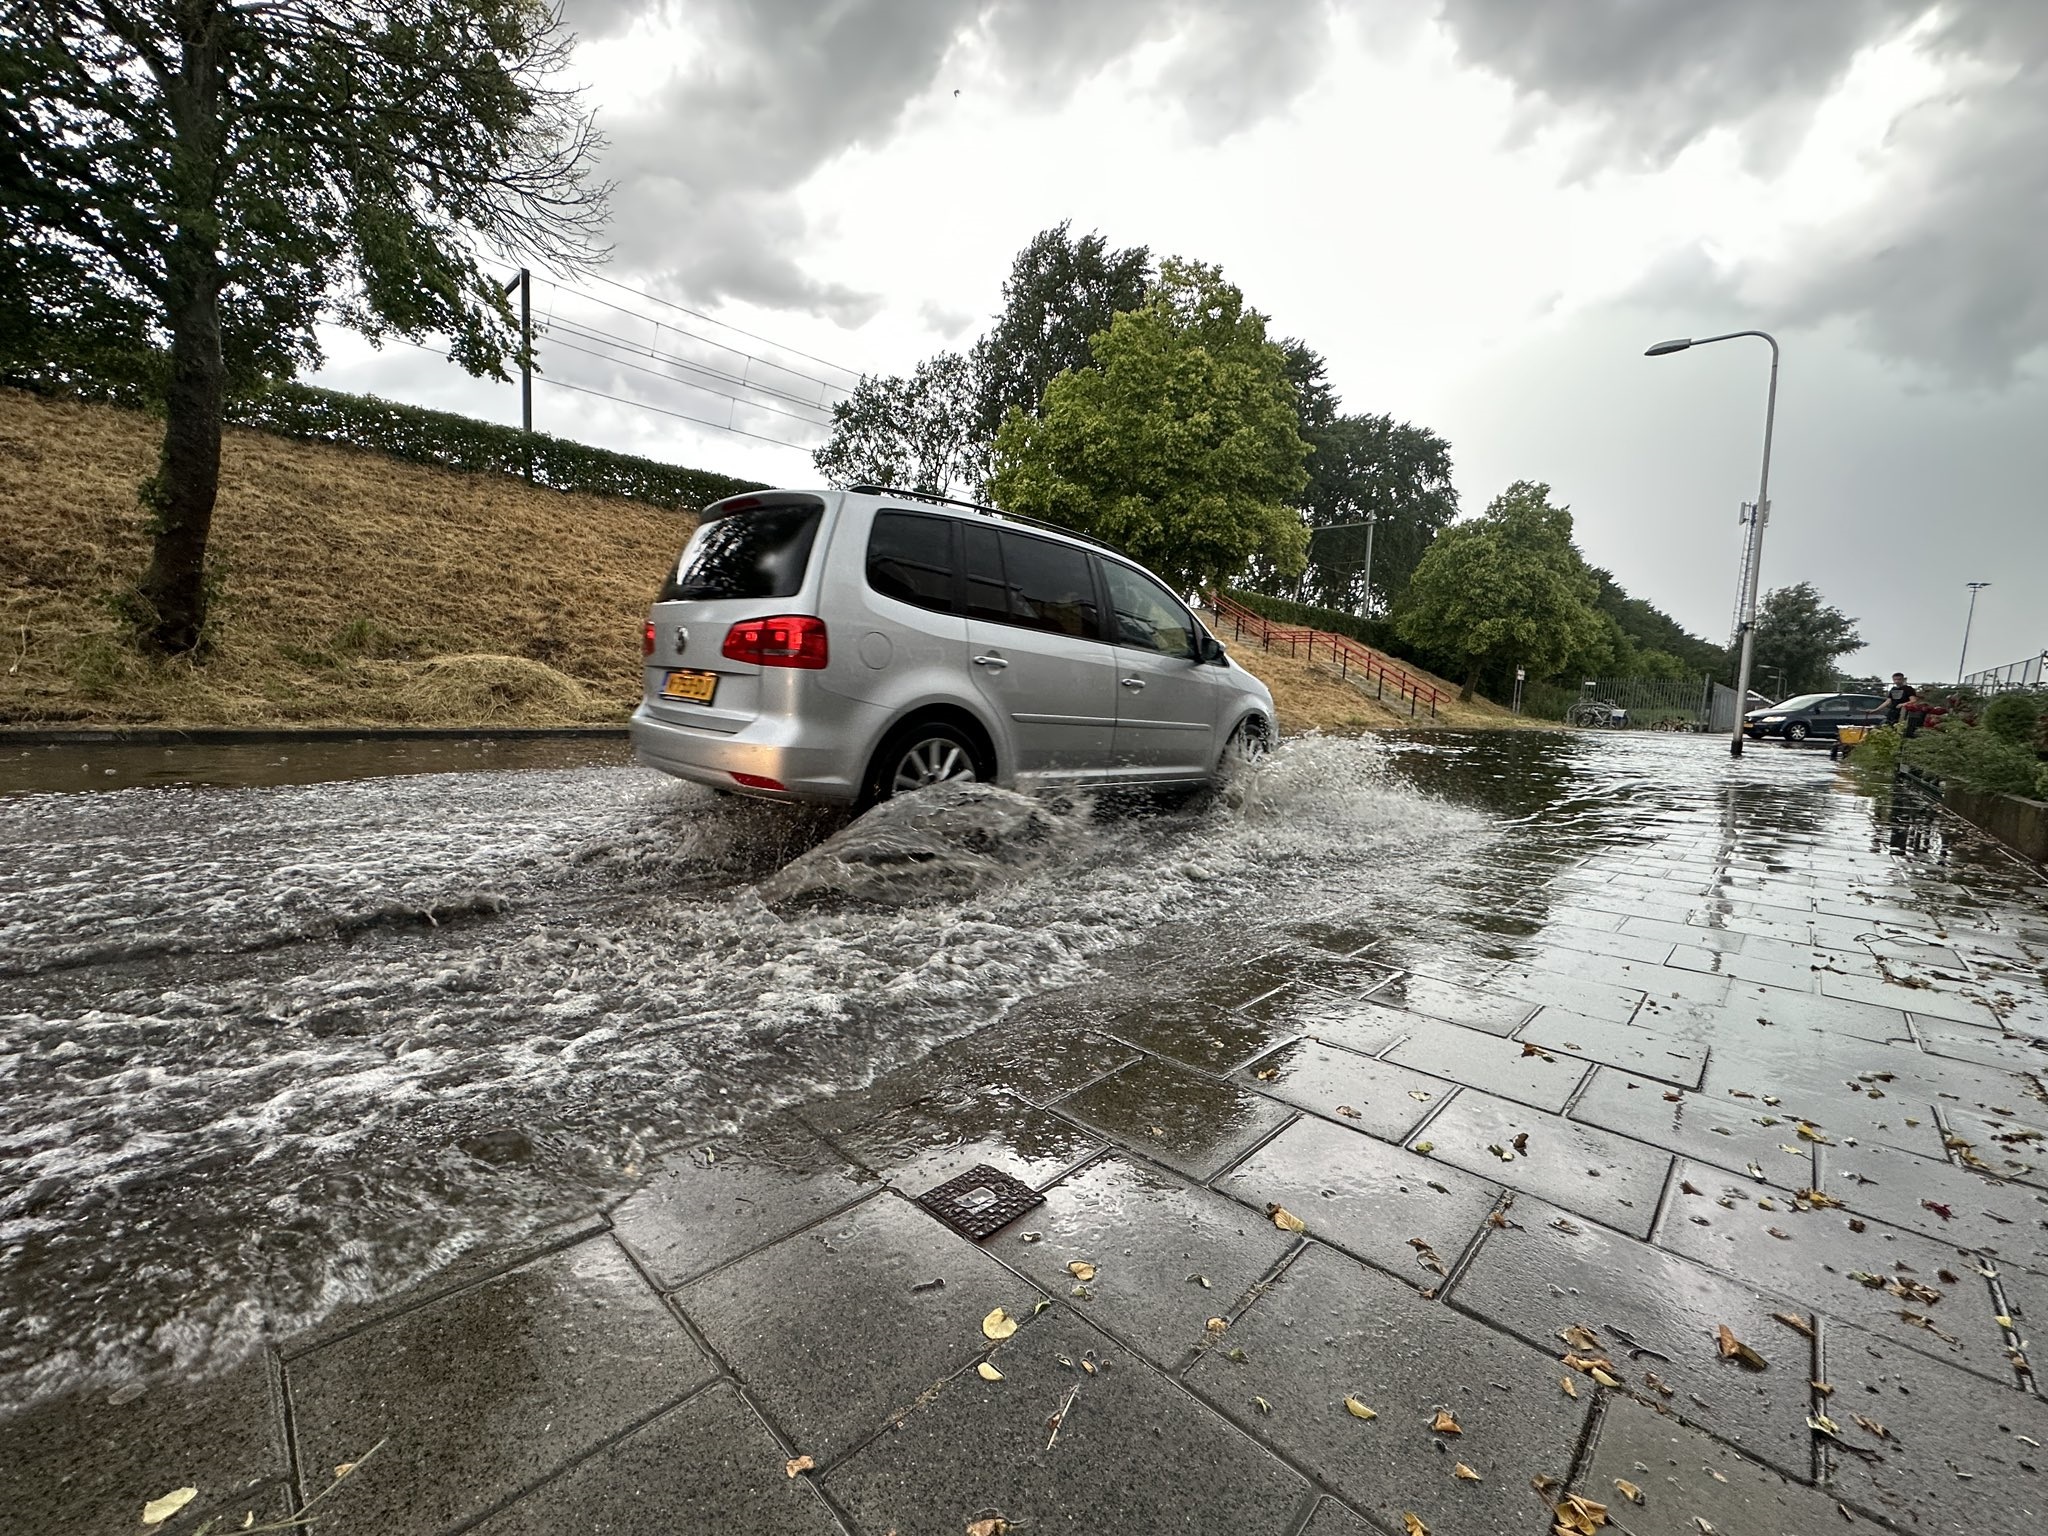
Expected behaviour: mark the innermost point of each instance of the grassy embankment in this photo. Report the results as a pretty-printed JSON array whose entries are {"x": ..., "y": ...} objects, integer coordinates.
[{"x": 361, "y": 590}]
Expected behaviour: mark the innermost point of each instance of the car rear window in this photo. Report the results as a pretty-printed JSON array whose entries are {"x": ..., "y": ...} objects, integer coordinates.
[
  {"x": 759, "y": 552},
  {"x": 910, "y": 558},
  {"x": 1052, "y": 587}
]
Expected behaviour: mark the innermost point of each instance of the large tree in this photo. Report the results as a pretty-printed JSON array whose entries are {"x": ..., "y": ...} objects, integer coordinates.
[
  {"x": 1801, "y": 637},
  {"x": 1060, "y": 292},
  {"x": 200, "y": 181},
  {"x": 919, "y": 433},
  {"x": 1505, "y": 589},
  {"x": 1180, "y": 443}
]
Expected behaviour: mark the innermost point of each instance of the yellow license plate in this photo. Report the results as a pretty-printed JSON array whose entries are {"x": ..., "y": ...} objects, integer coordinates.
[{"x": 697, "y": 687}]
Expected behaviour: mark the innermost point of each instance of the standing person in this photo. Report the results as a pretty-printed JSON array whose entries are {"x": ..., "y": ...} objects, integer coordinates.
[{"x": 1897, "y": 697}]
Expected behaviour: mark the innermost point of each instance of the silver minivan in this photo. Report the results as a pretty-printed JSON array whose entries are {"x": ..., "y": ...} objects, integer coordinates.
[{"x": 846, "y": 646}]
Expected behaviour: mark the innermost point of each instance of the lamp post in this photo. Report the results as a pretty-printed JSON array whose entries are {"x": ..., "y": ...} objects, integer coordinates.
[
  {"x": 1371, "y": 521},
  {"x": 1746, "y": 599},
  {"x": 1968, "y": 619}
]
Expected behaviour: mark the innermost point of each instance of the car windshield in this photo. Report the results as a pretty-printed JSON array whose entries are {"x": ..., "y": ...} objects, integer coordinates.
[{"x": 1804, "y": 701}]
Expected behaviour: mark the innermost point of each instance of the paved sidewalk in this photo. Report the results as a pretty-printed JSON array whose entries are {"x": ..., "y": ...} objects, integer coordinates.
[{"x": 1709, "y": 1166}]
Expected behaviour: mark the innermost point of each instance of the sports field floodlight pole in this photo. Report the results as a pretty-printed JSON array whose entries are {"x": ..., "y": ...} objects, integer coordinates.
[
  {"x": 1747, "y": 597},
  {"x": 1968, "y": 619}
]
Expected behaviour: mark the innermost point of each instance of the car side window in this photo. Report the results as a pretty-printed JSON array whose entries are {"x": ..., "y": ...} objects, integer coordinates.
[
  {"x": 910, "y": 558},
  {"x": 1148, "y": 617},
  {"x": 984, "y": 594},
  {"x": 1051, "y": 587},
  {"x": 1834, "y": 706}
]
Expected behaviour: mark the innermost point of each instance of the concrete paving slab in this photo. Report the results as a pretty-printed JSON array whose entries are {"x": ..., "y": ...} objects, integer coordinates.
[
  {"x": 711, "y": 1203},
  {"x": 1506, "y": 1068},
  {"x": 1375, "y": 1096},
  {"x": 1598, "y": 999},
  {"x": 1133, "y": 1452},
  {"x": 1925, "y": 1002},
  {"x": 1580, "y": 1167},
  {"x": 1331, "y": 1328},
  {"x": 1725, "y": 1132},
  {"x": 89, "y": 1463},
  {"x": 707, "y": 1464},
  {"x": 2014, "y": 1146},
  {"x": 1368, "y": 1198},
  {"x": 1486, "y": 1010},
  {"x": 1209, "y": 1039},
  {"x": 920, "y": 1146},
  {"x": 1817, "y": 1259},
  {"x": 1191, "y": 1123},
  {"x": 1950, "y": 1462},
  {"x": 1147, "y": 1234},
  {"x": 1361, "y": 1026},
  {"x": 1333, "y": 1519},
  {"x": 1630, "y": 1047},
  {"x": 838, "y": 1329},
  {"x": 1552, "y": 1271},
  {"x": 2006, "y": 1221},
  {"x": 1984, "y": 1047},
  {"x": 1561, "y": 941},
  {"x": 488, "y": 1391},
  {"x": 1791, "y": 975},
  {"x": 1684, "y": 933},
  {"x": 1686, "y": 1477}
]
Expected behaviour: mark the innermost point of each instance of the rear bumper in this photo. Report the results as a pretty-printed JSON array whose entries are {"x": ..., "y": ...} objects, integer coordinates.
[{"x": 774, "y": 748}]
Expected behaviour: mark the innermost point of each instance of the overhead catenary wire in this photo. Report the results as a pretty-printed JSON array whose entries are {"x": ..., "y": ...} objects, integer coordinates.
[
  {"x": 642, "y": 349},
  {"x": 620, "y": 362},
  {"x": 684, "y": 309}
]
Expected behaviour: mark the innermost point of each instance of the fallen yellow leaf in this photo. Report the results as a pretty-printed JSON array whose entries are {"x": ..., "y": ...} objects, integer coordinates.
[
  {"x": 1358, "y": 1410},
  {"x": 998, "y": 1324},
  {"x": 988, "y": 1372},
  {"x": 1580, "y": 1338},
  {"x": 1580, "y": 1515},
  {"x": 1217, "y": 1324},
  {"x": 1285, "y": 1219},
  {"x": 1081, "y": 1269},
  {"x": 800, "y": 1464},
  {"x": 1465, "y": 1474},
  {"x": 1570, "y": 1390},
  {"x": 1412, "y": 1524},
  {"x": 343, "y": 1470},
  {"x": 1733, "y": 1348},
  {"x": 994, "y": 1525},
  {"x": 1444, "y": 1424},
  {"x": 1603, "y": 1378},
  {"x": 1794, "y": 1321},
  {"x": 1629, "y": 1490},
  {"x": 157, "y": 1511}
]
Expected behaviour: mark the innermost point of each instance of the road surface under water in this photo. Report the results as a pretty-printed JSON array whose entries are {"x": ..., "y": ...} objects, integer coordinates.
[{"x": 269, "y": 1050}]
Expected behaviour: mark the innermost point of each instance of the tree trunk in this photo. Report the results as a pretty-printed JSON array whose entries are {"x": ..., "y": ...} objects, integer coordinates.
[
  {"x": 188, "y": 471},
  {"x": 1471, "y": 684}
]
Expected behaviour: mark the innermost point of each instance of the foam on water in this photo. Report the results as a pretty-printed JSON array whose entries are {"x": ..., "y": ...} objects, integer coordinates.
[{"x": 361, "y": 1028}]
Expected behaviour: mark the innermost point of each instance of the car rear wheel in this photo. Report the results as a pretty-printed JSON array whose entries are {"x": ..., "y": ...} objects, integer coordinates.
[
  {"x": 919, "y": 757},
  {"x": 1796, "y": 731}
]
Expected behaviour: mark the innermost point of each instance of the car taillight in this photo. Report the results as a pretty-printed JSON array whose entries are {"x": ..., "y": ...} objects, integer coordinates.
[
  {"x": 647, "y": 638},
  {"x": 788, "y": 640}
]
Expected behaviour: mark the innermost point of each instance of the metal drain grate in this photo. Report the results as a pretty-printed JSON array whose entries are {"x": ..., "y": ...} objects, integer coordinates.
[{"x": 981, "y": 1201}]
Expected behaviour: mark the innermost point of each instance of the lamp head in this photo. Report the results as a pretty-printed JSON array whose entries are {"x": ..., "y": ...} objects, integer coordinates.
[{"x": 1662, "y": 347}]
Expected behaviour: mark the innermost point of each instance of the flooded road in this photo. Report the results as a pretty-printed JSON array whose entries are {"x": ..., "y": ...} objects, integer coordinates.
[{"x": 269, "y": 1050}]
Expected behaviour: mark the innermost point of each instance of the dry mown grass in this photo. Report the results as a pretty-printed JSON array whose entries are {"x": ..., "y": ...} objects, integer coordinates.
[{"x": 355, "y": 588}]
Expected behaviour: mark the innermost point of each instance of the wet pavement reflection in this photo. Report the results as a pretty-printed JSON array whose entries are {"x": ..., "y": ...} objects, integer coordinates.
[{"x": 1598, "y": 1032}]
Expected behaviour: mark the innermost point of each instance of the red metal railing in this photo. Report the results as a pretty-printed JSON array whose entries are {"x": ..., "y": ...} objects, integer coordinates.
[{"x": 1340, "y": 651}]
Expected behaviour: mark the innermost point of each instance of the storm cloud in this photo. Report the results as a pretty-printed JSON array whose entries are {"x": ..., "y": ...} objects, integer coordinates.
[{"x": 1945, "y": 265}]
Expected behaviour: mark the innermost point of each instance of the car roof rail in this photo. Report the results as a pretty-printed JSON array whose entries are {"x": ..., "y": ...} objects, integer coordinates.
[{"x": 988, "y": 511}]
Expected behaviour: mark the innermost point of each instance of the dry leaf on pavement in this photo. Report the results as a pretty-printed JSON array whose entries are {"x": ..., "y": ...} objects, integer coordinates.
[
  {"x": 1628, "y": 1490},
  {"x": 1465, "y": 1474},
  {"x": 1217, "y": 1324},
  {"x": 1348, "y": 1112},
  {"x": 1570, "y": 1388},
  {"x": 1794, "y": 1321},
  {"x": 994, "y": 1525},
  {"x": 1871, "y": 1426},
  {"x": 988, "y": 1372},
  {"x": 157, "y": 1511},
  {"x": 1578, "y": 1515},
  {"x": 1580, "y": 1337},
  {"x": 1081, "y": 1269},
  {"x": 1733, "y": 1348},
  {"x": 1285, "y": 1219},
  {"x": 799, "y": 1464},
  {"x": 998, "y": 1324},
  {"x": 1444, "y": 1423},
  {"x": 1411, "y": 1524},
  {"x": 1358, "y": 1410}
]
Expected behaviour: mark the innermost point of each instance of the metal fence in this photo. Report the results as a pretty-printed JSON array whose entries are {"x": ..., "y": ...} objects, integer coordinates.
[
  {"x": 2031, "y": 673},
  {"x": 1649, "y": 703}
]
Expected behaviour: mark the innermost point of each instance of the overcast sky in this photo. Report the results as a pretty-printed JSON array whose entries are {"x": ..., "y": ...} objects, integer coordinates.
[{"x": 1480, "y": 211}]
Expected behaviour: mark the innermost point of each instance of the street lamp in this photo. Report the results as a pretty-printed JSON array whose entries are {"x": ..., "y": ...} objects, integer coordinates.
[
  {"x": 1969, "y": 618},
  {"x": 1371, "y": 521},
  {"x": 1746, "y": 598}
]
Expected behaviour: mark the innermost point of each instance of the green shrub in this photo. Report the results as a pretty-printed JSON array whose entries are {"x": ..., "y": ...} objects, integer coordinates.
[
  {"x": 462, "y": 442},
  {"x": 1875, "y": 760},
  {"x": 2014, "y": 717},
  {"x": 1975, "y": 758}
]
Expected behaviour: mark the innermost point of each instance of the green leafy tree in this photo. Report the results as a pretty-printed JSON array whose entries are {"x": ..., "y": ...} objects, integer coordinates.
[
  {"x": 191, "y": 184},
  {"x": 919, "y": 433},
  {"x": 1652, "y": 634},
  {"x": 1505, "y": 589},
  {"x": 1180, "y": 444},
  {"x": 1061, "y": 291},
  {"x": 1801, "y": 636}
]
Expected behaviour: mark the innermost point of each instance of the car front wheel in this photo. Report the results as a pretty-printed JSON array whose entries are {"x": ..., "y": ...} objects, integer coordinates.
[
  {"x": 1795, "y": 732},
  {"x": 1250, "y": 742}
]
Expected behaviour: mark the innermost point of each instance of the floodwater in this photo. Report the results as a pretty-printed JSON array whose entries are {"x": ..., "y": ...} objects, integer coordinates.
[{"x": 271, "y": 1048}]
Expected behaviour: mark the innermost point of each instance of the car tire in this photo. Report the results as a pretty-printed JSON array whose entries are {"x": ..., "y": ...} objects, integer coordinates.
[
  {"x": 1796, "y": 731},
  {"x": 918, "y": 755},
  {"x": 1251, "y": 740}
]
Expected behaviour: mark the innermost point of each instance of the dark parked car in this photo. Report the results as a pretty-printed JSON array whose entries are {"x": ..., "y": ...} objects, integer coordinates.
[{"x": 1815, "y": 715}]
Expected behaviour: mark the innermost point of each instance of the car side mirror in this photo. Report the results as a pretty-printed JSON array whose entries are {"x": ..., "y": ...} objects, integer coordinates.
[{"x": 1209, "y": 651}]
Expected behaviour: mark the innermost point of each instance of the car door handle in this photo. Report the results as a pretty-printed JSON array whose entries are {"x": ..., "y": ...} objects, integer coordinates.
[
  {"x": 1134, "y": 682},
  {"x": 998, "y": 662}
]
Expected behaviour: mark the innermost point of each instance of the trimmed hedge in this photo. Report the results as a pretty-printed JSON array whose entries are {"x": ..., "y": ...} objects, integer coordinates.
[{"x": 462, "y": 442}]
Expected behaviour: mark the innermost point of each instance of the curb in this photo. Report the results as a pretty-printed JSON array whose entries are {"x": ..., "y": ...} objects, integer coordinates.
[{"x": 231, "y": 736}]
